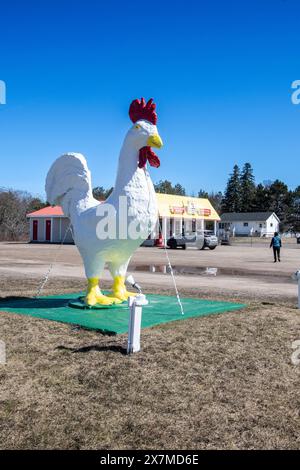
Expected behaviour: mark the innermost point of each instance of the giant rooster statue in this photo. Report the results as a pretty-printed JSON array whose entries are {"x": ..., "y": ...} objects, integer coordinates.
[{"x": 69, "y": 184}]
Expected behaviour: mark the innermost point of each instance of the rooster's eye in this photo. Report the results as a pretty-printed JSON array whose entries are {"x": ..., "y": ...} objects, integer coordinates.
[{"x": 137, "y": 126}]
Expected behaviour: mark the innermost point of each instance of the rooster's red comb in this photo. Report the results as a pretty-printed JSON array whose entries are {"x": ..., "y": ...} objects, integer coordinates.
[{"x": 142, "y": 110}]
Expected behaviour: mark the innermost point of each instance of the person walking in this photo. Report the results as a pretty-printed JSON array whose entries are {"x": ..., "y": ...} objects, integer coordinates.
[{"x": 276, "y": 244}]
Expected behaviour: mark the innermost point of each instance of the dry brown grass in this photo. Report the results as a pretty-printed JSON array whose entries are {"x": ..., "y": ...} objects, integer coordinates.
[{"x": 219, "y": 382}]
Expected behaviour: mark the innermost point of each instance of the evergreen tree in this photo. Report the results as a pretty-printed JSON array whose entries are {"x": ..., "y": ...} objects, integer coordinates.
[
  {"x": 248, "y": 189},
  {"x": 99, "y": 193},
  {"x": 179, "y": 190},
  {"x": 216, "y": 200},
  {"x": 166, "y": 187},
  {"x": 203, "y": 193},
  {"x": 294, "y": 219},
  {"x": 102, "y": 194},
  {"x": 108, "y": 192},
  {"x": 281, "y": 201},
  {"x": 262, "y": 198},
  {"x": 232, "y": 197}
]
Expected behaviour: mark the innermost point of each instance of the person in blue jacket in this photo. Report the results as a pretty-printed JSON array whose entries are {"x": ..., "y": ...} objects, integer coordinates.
[{"x": 276, "y": 244}]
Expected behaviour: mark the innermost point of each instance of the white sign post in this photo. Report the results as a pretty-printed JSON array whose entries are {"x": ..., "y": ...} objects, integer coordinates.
[
  {"x": 296, "y": 277},
  {"x": 135, "y": 319},
  {"x": 2, "y": 352}
]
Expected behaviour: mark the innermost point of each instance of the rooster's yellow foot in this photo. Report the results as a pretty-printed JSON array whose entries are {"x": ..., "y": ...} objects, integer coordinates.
[
  {"x": 122, "y": 295},
  {"x": 119, "y": 290},
  {"x": 92, "y": 299},
  {"x": 94, "y": 295}
]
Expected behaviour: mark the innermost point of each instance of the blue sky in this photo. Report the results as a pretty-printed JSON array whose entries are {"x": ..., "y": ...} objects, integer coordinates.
[{"x": 219, "y": 71}]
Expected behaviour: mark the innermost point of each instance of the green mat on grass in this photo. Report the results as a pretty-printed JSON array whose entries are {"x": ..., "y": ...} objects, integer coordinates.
[{"x": 161, "y": 309}]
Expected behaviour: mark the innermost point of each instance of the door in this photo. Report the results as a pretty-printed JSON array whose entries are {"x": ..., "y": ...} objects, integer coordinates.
[
  {"x": 35, "y": 230},
  {"x": 48, "y": 230}
]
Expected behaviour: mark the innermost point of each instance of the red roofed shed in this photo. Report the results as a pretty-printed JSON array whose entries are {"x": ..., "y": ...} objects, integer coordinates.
[{"x": 49, "y": 225}]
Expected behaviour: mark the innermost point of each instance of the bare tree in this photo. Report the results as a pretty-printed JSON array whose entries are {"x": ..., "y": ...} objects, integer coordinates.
[{"x": 14, "y": 205}]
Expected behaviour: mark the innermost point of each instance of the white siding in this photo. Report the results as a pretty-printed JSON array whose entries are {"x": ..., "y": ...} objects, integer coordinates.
[
  {"x": 257, "y": 228},
  {"x": 64, "y": 225},
  {"x": 55, "y": 230},
  {"x": 272, "y": 225},
  {"x": 59, "y": 226},
  {"x": 41, "y": 229}
]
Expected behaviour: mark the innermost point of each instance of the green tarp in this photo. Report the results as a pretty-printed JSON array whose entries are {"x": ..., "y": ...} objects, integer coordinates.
[{"x": 161, "y": 309}]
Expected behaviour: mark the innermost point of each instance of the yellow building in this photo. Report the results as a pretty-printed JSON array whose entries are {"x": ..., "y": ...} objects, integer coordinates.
[{"x": 182, "y": 214}]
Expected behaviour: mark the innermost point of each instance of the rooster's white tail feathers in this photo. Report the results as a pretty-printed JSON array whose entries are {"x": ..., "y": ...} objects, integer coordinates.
[{"x": 69, "y": 172}]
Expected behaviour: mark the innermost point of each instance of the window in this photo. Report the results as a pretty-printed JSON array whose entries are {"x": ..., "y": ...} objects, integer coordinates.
[
  {"x": 260, "y": 225},
  {"x": 224, "y": 225},
  {"x": 271, "y": 225},
  {"x": 245, "y": 224}
]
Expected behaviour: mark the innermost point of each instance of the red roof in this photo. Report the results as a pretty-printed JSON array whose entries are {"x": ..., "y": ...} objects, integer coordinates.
[{"x": 47, "y": 212}]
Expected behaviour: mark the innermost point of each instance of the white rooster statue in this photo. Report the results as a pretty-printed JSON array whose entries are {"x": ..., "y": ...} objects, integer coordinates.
[{"x": 68, "y": 184}]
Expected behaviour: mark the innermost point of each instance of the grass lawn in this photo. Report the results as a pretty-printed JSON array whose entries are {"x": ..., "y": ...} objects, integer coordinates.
[{"x": 218, "y": 382}]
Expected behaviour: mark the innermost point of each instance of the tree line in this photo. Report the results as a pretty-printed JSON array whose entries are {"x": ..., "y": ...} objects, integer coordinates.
[
  {"x": 242, "y": 194},
  {"x": 14, "y": 205}
]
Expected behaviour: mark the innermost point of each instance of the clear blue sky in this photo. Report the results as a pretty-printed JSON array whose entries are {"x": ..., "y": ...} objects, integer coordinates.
[{"x": 220, "y": 72}]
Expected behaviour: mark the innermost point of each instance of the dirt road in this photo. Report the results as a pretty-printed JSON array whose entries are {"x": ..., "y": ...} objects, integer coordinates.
[{"x": 242, "y": 271}]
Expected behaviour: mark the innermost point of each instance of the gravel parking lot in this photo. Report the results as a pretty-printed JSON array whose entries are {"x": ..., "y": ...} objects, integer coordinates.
[{"x": 242, "y": 271}]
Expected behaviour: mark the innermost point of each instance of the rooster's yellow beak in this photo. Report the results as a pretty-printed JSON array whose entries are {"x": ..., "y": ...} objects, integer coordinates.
[{"x": 154, "y": 141}]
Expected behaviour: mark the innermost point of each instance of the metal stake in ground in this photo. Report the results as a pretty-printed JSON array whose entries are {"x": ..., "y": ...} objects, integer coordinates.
[
  {"x": 296, "y": 277},
  {"x": 135, "y": 317}
]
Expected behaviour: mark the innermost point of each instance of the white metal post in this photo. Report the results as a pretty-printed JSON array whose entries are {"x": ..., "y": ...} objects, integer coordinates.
[
  {"x": 135, "y": 319},
  {"x": 180, "y": 227},
  {"x": 296, "y": 277},
  {"x": 164, "y": 229},
  {"x": 2, "y": 352}
]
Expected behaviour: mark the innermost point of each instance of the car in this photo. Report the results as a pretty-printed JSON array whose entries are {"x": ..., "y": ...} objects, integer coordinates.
[
  {"x": 148, "y": 242},
  {"x": 200, "y": 240},
  {"x": 188, "y": 239},
  {"x": 210, "y": 240}
]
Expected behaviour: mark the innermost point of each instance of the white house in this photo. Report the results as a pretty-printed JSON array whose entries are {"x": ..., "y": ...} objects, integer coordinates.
[{"x": 259, "y": 224}]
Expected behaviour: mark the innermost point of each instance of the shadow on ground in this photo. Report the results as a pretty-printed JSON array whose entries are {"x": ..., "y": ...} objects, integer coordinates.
[{"x": 94, "y": 347}]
